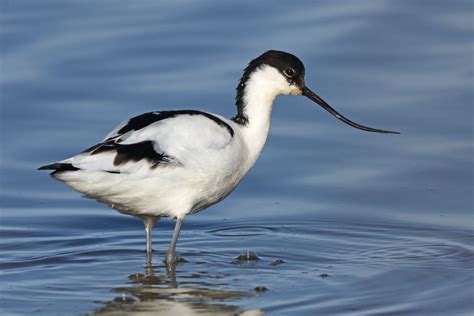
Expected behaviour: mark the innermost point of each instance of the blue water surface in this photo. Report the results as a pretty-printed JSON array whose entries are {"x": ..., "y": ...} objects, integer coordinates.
[{"x": 344, "y": 222}]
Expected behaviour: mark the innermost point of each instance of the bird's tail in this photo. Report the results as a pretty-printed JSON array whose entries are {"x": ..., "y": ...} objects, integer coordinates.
[{"x": 59, "y": 166}]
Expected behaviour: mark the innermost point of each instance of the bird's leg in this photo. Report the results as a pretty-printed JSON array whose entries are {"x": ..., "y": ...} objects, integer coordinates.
[
  {"x": 149, "y": 221},
  {"x": 170, "y": 254},
  {"x": 171, "y": 273}
]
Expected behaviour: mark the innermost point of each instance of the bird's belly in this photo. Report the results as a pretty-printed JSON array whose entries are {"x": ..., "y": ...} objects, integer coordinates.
[
  {"x": 165, "y": 191},
  {"x": 180, "y": 196},
  {"x": 213, "y": 193}
]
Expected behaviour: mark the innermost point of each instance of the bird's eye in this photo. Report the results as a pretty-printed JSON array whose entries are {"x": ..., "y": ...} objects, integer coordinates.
[{"x": 289, "y": 72}]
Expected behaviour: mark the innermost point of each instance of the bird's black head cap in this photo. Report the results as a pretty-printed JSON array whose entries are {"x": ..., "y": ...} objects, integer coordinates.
[{"x": 287, "y": 64}]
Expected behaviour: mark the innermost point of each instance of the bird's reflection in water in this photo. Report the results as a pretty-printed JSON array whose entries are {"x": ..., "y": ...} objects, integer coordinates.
[{"x": 157, "y": 292}]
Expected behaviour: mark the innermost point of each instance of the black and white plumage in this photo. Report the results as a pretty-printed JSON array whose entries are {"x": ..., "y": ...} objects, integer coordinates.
[{"x": 173, "y": 163}]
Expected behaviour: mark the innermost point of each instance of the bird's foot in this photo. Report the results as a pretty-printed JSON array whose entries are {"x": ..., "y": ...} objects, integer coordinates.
[{"x": 172, "y": 259}]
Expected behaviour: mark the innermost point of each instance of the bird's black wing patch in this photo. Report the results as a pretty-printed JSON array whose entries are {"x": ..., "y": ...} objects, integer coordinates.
[
  {"x": 138, "y": 122},
  {"x": 132, "y": 152},
  {"x": 139, "y": 151}
]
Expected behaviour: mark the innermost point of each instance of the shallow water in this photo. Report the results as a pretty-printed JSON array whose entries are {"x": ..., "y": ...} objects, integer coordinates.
[
  {"x": 324, "y": 265},
  {"x": 343, "y": 222}
]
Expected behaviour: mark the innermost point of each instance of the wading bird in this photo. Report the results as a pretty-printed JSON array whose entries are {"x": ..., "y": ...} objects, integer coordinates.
[{"x": 174, "y": 163}]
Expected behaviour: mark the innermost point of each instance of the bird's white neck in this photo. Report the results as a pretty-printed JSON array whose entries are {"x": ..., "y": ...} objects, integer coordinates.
[{"x": 260, "y": 90}]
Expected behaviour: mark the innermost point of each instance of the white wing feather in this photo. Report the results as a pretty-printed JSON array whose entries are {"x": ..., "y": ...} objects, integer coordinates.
[{"x": 188, "y": 139}]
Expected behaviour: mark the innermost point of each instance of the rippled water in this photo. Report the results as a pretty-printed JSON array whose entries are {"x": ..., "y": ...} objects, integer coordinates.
[
  {"x": 305, "y": 265},
  {"x": 343, "y": 222}
]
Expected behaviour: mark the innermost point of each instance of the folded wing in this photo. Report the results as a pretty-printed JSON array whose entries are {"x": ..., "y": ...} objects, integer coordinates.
[{"x": 153, "y": 140}]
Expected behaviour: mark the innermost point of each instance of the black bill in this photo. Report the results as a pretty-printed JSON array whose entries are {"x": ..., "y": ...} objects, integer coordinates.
[{"x": 313, "y": 96}]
